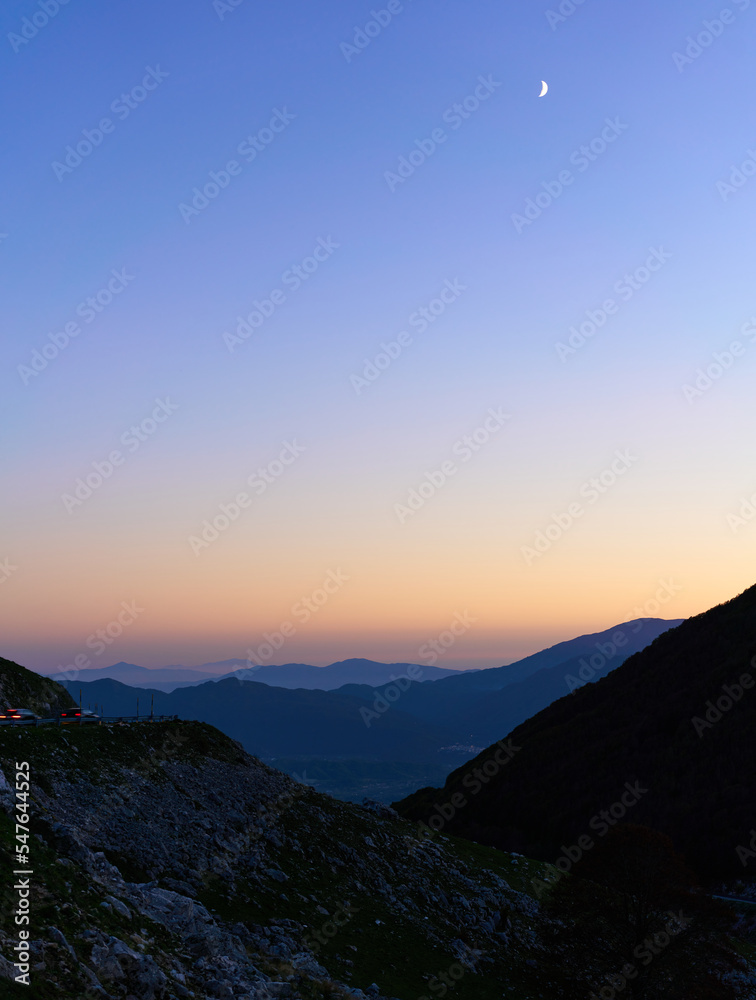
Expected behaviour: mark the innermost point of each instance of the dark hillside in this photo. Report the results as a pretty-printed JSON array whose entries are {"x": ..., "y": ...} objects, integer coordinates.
[
  {"x": 21, "y": 688},
  {"x": 635, "y": 725}
]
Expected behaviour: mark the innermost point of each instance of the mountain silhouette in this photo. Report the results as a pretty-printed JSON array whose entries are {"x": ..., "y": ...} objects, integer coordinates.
[
  {"x": 287, "y": 675},
  {"x": 634, "y": 728}
]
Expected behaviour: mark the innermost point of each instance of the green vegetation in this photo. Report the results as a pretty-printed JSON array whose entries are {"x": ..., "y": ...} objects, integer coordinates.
[
  {"x": 377, "y": 943},
  {"x": 378, "y": 904},
  {"x": 22, "y": 688},
  {"x": 62, "y": 898},
  {"x": 100, "y": 751}
]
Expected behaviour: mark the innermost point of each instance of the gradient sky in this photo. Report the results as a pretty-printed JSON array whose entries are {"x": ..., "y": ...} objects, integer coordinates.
[{"x": 69, "y": 568}]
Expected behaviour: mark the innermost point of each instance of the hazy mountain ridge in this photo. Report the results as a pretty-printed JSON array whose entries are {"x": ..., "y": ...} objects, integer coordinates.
[
  {"x": 484, "y": 705},
  {"x": 373, "y": 673},
  {"x": 633, "y": 725},
  {"x": 287, "y": 675},
  {"x": 272, "y": 722},
  {"x": 637, "y": 634},
  {"x": 356, "y": 722}
]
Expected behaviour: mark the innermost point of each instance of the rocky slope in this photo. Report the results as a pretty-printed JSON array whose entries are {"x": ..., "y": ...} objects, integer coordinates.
[
  {"x": 20, "y": 688},
  {"x": 169, "y": 863}
]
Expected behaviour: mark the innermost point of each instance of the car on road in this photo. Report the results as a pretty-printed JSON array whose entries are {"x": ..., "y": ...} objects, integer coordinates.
[
  {"x": 80, "y": 716},
  {"x": 18, "y": 717}
]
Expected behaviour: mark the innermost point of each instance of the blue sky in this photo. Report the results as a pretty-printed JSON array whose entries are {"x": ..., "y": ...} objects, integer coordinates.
[{"x": 224, "y": 74}]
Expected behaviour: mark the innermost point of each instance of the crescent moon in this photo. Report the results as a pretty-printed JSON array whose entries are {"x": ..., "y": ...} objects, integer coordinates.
[{"x": 545, "y": 89}]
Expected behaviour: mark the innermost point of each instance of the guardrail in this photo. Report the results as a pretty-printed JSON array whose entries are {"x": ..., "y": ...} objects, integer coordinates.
[{"x": 85, "y": 720}]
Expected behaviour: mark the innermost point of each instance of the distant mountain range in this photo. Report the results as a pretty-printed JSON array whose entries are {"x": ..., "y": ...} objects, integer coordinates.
[
  {"x": 287, "y": 675},
  {"x": 481, "y": 706},
  {"x": 172, "y": 826},
  {"x": 440, "y": 724},
  {"x": 272, "y": 722}
]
